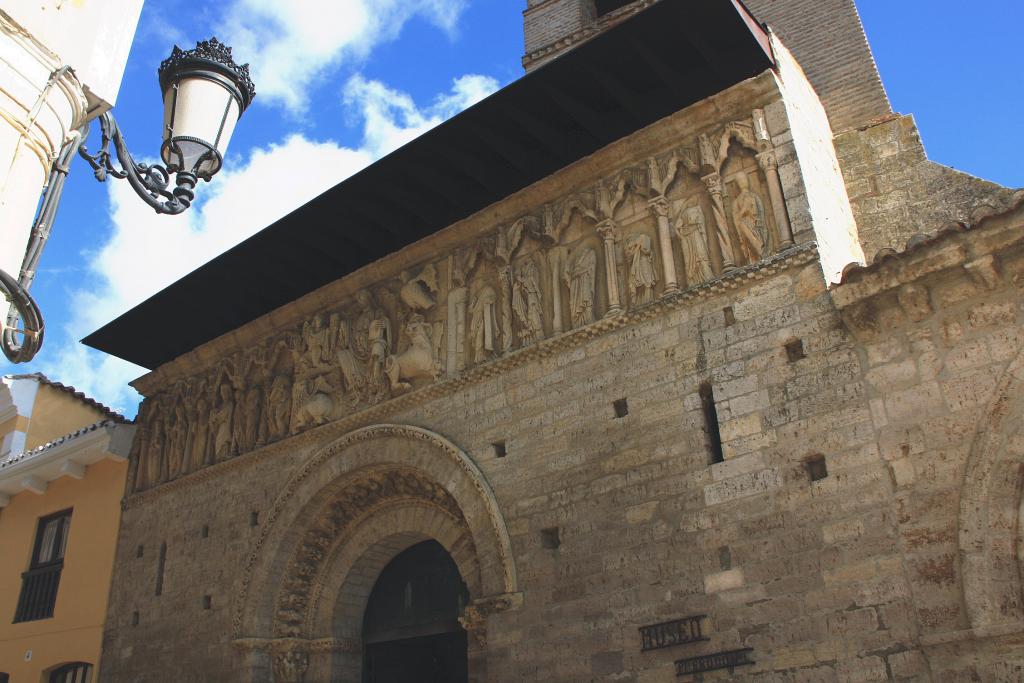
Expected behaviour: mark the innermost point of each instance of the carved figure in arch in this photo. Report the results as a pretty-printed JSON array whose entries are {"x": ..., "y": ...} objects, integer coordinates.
[
  {"x": 176, "y": 438},
  {"x": 222, "y": 422},
  {"x": 484, "y": 324},
  {"x": 151, "y": 470},
  {"x": 579, "y": 275},
  {"x": 691, "y": 229},
  {"x": 351, "y": 369},
  {"x": 279, "y": 407},
  {"x": 526, "y": 303},
  {"x": 642, "y": 276},
  {"x": 311, "y": 402},
  {"x": 748, "y": 216},
  {"x": 317, "y": 338},
  {"x": 418, "y": 293},
  {"x": 373, "y": 342},
  {"x": 420, "y": 359},
  {"x": 250, "y": 435},
  {"x": 200, "y": 437}
]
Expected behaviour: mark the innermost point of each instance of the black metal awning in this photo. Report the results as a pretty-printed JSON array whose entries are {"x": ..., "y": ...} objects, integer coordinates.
[{"x": 671, "y": 55}]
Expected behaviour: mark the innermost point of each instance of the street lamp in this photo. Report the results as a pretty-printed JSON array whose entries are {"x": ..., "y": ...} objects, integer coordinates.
[{"x": 205, "y": 93}]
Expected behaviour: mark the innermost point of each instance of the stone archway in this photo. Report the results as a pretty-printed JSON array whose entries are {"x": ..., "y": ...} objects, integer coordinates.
[
  {"x": 340, "y": 519},
  {"x": 990, "y": 512}
]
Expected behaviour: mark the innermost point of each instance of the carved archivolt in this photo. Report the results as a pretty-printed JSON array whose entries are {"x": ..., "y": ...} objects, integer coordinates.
[
  {"x": 337, "y": 491},
  {"x": 990, "y": 535},
  {"x": 646, "y": 232}
]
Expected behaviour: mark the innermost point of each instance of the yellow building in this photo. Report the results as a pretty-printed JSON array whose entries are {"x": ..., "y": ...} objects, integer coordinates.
[{"x": 63, "y": 461}]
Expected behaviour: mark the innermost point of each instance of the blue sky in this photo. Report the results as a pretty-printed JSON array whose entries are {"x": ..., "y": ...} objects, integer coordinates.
[{"x": 341, "y": 83}]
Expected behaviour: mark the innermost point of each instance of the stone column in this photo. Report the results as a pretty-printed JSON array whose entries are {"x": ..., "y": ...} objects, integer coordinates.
[
  {"x": 722, "y": 246},
  {"x": 505, "y": 276},
  {"x": 608, "y": 231},
  {"x": 456, "y": 360},
  {"x": 659, "y": 207},
  {"x": 770, "y": 165},
  {"x": 555, "y": 259}
]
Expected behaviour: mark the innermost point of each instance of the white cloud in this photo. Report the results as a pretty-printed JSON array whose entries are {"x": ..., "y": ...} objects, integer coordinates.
[
  {"x": 290, "y": 44},
  {"x": 146, "y": 252}
]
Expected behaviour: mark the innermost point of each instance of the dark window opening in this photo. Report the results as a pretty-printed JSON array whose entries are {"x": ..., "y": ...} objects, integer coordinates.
[
  {"x": 730, "y": 316},
  {"x": 795, "y": 350},
  {"x": 603, "y": 7},
  {"x": 206, "y": 531},
  {"x": 39, "y": 584},
  {"x": 621, "y": 407},
  {"x": 140, "y": 551},
  {"x": 5, "y": 678},
  {"x": 77, "y": 672},
  {"x": 135, "y": 618},
  {"x": 714, "y": 436},
  {"x": 207, "y": 602},
  {"x": 500, "y": 451},
  {"x": 254, "y": 518},
  {"x": 549, "y": 538},
  {"x": 816, "y": 467},
  {"x": 160, "y": 562},
  {"x": 725, "y": 558}
]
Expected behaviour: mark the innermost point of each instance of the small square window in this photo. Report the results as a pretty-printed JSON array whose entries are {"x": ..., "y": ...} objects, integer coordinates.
[
  {"x": 549, "y": 538},
  {"x": 795, "y": 350},
  {"x": 730, "y": 316},
  {"x": 816, "y": 467},
  {"x": 140, "y": 551},
  {"x": 621, "y": 407},
  {"x": 135, "y": 618},
  {"x": 206, "y": 531},
  {"x": 499, "y": 449},
  {"x": 254, "y": 518},
  {"x": 207, "y": 602}
]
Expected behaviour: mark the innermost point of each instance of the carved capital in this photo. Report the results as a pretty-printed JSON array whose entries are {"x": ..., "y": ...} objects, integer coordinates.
[
  {"x": 608, "y": 230},
  {"x": 768, "y": 161},
  {"x": 713, "y": 182},
  {"x": 659, "y": 206},
  {"x": 290, "y": 666}
]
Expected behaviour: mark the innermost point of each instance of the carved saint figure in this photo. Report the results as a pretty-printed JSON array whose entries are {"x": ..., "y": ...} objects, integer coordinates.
[
  {"x": 317, "y": 338},
  {"x": 251, "y": 409},
  {"x": 200, "y": 432},
  {"x": 642, "y": 277},
  {"x": 483, "y": 325},
  {"x": 691, "y": 229},
  {"x": 748, "y": 215},
  {"x": 351, "y": 370},
  {"x": 279, "y": 406},
  {"x": 176, "y": 433},
  {"x": 579, "y": 275},
  {"x": 375, "y": 324},
  {"x": 526, "y": 303},
  {"x": 222, "y": 422}
]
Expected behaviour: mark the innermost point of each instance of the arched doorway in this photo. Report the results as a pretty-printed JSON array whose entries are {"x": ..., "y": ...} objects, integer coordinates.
[{"x": 411, "y": 630}]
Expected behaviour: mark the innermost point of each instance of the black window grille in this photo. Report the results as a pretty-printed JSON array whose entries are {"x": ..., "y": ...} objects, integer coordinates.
[
  {"x": 39, "y": 584},
  {"x": 76, "y": 672}
]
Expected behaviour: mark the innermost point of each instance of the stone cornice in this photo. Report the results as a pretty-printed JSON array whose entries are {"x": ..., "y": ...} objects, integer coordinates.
[{"x": 793, "y": 257}]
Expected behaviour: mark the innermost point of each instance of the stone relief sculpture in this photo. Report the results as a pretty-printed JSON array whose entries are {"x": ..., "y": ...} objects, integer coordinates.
[
  {"x": 748, "y": 215},
  {"x": 421, "y": 359},
  {"x": 580, "y": 276},
  {"x": 642, "y": 276},
  {"x": 484, "y": 324},
  {"x": 290, "y": 667},
  {"x": 222, "y": 420},
  {"x": 526, "y": 302},
  {"x": 691, "y": 229},
  {"x": 432, "y": 321}
]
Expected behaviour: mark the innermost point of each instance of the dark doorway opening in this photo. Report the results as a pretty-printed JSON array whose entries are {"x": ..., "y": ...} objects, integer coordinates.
[{"x": 411, "y": 630}]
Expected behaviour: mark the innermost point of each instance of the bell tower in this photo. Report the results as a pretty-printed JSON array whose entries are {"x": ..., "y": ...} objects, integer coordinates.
[
  {"x": 553, "y": 26},
  {"x": 825, "y": 36}
]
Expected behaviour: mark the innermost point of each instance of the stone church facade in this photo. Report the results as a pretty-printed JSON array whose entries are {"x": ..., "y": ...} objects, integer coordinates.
[{"x": 659, "y": 409}]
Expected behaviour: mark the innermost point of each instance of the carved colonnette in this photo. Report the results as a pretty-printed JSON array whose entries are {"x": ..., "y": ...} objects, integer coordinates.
[{"x": 648, "y": 231}]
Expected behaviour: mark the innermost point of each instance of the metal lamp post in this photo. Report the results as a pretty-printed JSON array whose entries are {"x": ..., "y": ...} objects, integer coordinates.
[{"x": 205, "y": 93}]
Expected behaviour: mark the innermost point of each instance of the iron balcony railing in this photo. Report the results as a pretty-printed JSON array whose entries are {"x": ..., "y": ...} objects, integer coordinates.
[{"x": 38, "y": 593}]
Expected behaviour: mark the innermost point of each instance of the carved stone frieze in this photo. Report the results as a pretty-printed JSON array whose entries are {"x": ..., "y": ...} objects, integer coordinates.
[{"x": 508, "y": 290}]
